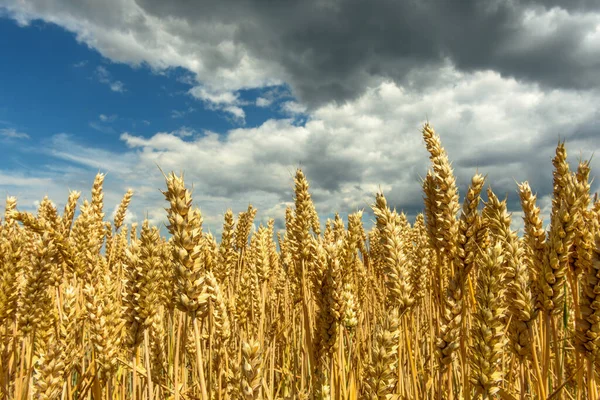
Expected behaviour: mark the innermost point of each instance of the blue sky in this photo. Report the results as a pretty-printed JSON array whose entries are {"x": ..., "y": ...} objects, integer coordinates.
[
  {"x": 53, "y": 84},
  {"x": 238, "y": 94},
  {"x": 57, "y": 91}
]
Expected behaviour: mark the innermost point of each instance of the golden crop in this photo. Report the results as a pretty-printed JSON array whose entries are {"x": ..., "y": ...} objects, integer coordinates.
[{"x": 456, "y": 305}]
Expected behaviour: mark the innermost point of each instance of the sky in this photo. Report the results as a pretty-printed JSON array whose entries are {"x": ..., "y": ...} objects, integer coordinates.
[{"x": 238, "y": 94}]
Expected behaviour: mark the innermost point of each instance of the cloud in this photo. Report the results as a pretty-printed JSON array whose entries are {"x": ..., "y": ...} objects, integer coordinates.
[
  {"x": 187, "y": 79},
  {"x": 181, "y": 113},
  {"x": 18, "y": 179},
  {"x": 494, "y": 125},
  {"x": 237, "y": 112},
  {"x": 262, "y": 102},
  {"x": 62, "y": 146},
  {"x": 488, "y": 123},
  {"x": 293, "y": 108},
  {"x": 329, "y": 50},
  {"x": 105, "y": 77},
  {"x": 108, "y": 118},
  {"x": 184, "y": 131},
  {"x": 101, "y": 128},
  {"x": 11, "y": 133},
  {"x": 177, "y": 114},
  {"x": 226, "y": 101},
  {"x": 117, "y": 86},
  {"x": 80, "y": 64},
  {"x": 30, "y": 188},
  {"x": 214, "y": 97},
  {"x": 501, "y": 82}
]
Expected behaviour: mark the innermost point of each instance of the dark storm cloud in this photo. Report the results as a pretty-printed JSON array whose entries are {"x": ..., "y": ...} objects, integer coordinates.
[{"x": 331, "y": 50}]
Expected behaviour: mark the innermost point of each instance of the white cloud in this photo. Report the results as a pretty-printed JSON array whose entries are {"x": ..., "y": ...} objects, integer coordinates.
[
  {"x": 107, "y": 118},
  {"x": 226, "y": 101},
  {"x": 101, "y": 128},
  {"x": 498, "y": 126},
  {"x": 214, "y": 97},
  {"x": 13, "y": 178},
  {"x": 262, "y": 102},
  {"x": 123, "y": 31},
  {"x": 187, "y": 79},
  {"x": 117, "y": 86},
  {"x": 504, "y": 127},
  {"x": 231, "y": 46},
  {"x": 350, "y": 151},
  {"x": 237, "y": 112},
  {"x": 293, "y": 108},
  {"x": 184, "y": 131},
  {"x": 63, "y": 147},
  {"x": 11, "y": 133},
  {"x": 181, "y": 113},
  {"x": 104, "y": 76}
]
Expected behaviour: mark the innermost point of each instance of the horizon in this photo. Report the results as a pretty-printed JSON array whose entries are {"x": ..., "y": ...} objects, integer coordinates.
[{"x": 194, "y": 88}]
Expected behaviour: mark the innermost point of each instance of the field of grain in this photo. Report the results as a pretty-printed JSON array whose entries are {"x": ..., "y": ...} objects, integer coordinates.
[{"x": 456, "y": 305}]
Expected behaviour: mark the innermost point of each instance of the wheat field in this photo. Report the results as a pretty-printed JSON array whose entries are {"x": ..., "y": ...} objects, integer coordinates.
[{"x": 455, "y": 306}]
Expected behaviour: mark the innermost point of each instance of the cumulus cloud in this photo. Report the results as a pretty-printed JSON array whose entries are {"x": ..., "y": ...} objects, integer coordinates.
[
  {"x": 262, "y": 102},
  {"x": 488, "y": 123},
  {"x": 293, "y": 108},
  {"x": 333, "y": 50},
  {"x": 214, "y": 97},
  {"x": 502, "y": 82}
]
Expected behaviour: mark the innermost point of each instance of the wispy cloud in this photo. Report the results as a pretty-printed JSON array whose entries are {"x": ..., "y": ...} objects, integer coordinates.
[
  {"x": 227, "y": 101},
  {"x": 104, "y": 124},
  {"x": 101, "y": 128},
  {"x": 17, "y": 179},
  {"x": 104, "y": 76},
  {"x": 80, "y": 64},
  {"x": 117, "y": 86},
  {"x": 181, "y": 113},
  {"x": 184, "y": 131},
  {"x": 11, "y": 133},
  {"x": 187, "y": 79},
  {"x": 237, "y": 112},
  {"x": 63, "y": 147},
  {"x": 108, "y": 118},
  {"x": 273, "y": 96}
]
